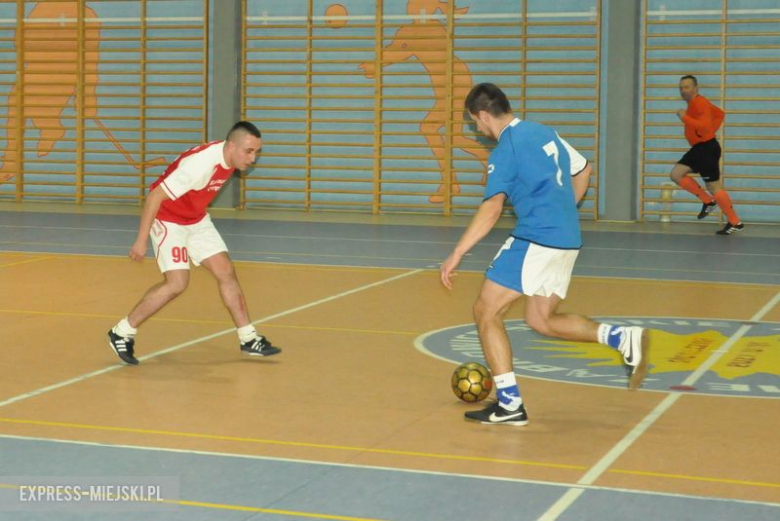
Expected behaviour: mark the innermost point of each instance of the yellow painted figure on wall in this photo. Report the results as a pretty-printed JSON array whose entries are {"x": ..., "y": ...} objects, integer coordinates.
[
  {"x": 49, "y": 79},
  {"x": 426, "y": 40}
]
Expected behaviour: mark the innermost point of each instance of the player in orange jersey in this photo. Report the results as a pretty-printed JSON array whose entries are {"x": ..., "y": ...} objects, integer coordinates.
[{"x": 702, "y": 119}]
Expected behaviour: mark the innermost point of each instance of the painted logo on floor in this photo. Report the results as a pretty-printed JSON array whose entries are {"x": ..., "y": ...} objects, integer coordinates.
[{"x": 722, "y": 357}]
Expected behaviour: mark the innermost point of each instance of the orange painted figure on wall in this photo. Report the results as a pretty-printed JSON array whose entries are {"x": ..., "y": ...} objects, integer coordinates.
[
  {"x": 426, "y": 40},
  {"x": 49, "y": 80}
]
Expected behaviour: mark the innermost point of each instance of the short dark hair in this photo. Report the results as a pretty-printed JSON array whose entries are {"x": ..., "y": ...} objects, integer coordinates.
[
  {"x": 690, "y": 77},
  {"x": 487, "y": 97},
  {"x": 243, "y": 127}
]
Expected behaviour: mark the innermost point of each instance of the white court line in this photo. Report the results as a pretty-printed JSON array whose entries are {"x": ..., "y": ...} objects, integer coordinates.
[
  {"x": 560, "y": 506},
  {"x": 356, "y": 466},
  {"x": 81, "y": 378}
]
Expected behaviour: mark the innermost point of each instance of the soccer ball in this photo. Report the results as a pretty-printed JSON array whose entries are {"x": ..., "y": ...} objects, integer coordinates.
[{"x": 471, "y": 382}]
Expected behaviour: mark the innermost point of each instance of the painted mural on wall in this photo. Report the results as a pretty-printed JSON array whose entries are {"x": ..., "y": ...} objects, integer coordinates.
[
  {"x": 425, "y": 40},
  {"x": 48, "y": 86},
  {"x": 49, "y": 82}
]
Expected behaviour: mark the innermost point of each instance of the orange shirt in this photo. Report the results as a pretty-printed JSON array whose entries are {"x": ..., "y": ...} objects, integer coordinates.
[{"x": 702, "y": 120}]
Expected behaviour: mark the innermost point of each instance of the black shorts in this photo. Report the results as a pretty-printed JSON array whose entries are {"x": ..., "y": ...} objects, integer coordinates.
[{"x": 704, "y": 159}]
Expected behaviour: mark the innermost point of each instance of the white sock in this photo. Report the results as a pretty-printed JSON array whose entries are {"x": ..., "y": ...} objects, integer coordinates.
[
  {"x": 505, "y": 380},
  {"x": 610, "y": 335},
  {"x": 603, "y": 333},
  {"x": 507, "y": 391},
  {"x": 124, "y": 329},
  {"x": 246, "y": 333}
]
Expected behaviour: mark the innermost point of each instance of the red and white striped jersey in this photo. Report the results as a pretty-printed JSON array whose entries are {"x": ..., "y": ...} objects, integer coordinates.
[{"x": 192, "y": 181}]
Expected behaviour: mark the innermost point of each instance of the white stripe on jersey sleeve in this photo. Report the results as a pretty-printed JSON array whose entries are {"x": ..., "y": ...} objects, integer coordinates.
[
  {"x": 193, "y": 172},
  {"x": 578, "y": 163},
  {"x": 168, "y": 191}
]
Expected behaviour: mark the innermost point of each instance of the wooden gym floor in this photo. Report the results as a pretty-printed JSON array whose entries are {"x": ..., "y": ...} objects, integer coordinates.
[{"x": 356, "y": 419}]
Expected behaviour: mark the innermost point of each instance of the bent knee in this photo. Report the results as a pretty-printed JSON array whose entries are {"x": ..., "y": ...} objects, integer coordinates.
[
  {"x": 714, "y": 187},
  {"x": 539, "y": 324},
  {"x": 678, "y": 172},
  {"x": 482, "y": 311},
  {"x": 486, "y": 311},
  {"x": 225, "y": 274},
  {"x": 177, "y": 284},
  {"x": 178, "y": 288}
]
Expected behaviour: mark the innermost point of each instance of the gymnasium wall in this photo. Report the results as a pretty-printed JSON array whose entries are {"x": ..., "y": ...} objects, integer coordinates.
[
  {"x": 733, "y": 48},
  {"x": 96, "y": 97},
  {"x": 361, "y": 102},
  {"x": 365, "y": 100}
]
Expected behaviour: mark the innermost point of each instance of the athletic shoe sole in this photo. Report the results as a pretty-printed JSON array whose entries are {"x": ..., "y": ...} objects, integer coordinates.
[
  {"x": 729, "y": 231},
  {"x": 518, "y": 418},
  {"x": 640, "y": 371},
  {"x": 512, "y": 423},
  {"x": 263, "y": 353}
]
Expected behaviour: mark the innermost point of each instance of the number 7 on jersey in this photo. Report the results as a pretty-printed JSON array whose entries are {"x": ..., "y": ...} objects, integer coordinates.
[{"x": 552, "y": 150}]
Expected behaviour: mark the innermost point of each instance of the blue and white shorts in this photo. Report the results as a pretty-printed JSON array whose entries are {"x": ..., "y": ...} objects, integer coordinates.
[{"x": 532, "y": 269}]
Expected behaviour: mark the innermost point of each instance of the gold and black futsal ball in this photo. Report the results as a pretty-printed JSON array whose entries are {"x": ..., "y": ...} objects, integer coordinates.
[{"x": 471, "y": 382}]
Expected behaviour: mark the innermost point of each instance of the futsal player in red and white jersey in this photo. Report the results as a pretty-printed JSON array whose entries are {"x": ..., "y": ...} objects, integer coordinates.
[{"x": 174, "y": 216}]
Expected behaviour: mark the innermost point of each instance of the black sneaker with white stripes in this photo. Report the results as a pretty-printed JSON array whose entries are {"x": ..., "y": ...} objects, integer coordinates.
[
  {"x": 731, "y": 228},
  {"x": 706, "y": 209},
  {"x": 259, "y": 346},
  {"x": 123, "y": 347},
  {"x": 495, "y": 414}
]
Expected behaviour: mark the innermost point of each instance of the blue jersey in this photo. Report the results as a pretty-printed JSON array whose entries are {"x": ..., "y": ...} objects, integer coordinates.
[{"x": 533, "y": 166}]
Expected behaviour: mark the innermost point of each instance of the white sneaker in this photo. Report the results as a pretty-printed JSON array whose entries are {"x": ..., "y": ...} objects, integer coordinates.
[{"x": 635, "y": 347}]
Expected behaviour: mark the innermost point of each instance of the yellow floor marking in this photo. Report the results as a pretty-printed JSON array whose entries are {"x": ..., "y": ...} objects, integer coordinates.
[
  {"x": 290, "y": 443},
  {"x": 382, "y": 451},
  {"x": 28, "y": 261},
  {"x": 111, "y": 317},
  {"x": 218, "y": 322},
  {"x": 265, "y": 253},
  {"x": 344, "y": 329},
  {"x": 239, "y": 508},
  {"x": 697, "y": 478},
  {"x": 474, "y": 273},
  {"x": 244, "y": 263},
  {"x": 264, "y": 510},
  {"x": 36, "y": 243}
]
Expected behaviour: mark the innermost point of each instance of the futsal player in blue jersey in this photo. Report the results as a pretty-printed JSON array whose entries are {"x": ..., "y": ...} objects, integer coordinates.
[{"x": 543, "y": 178}]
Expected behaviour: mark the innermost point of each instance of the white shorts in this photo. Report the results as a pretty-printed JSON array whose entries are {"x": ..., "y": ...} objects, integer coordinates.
[
  {"x": 176, "y": 244},
  {"x": 532, "y": 269}
]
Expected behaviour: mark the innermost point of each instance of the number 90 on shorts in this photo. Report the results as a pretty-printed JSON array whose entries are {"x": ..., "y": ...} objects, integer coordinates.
[{"x": 175, "y": 245}]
